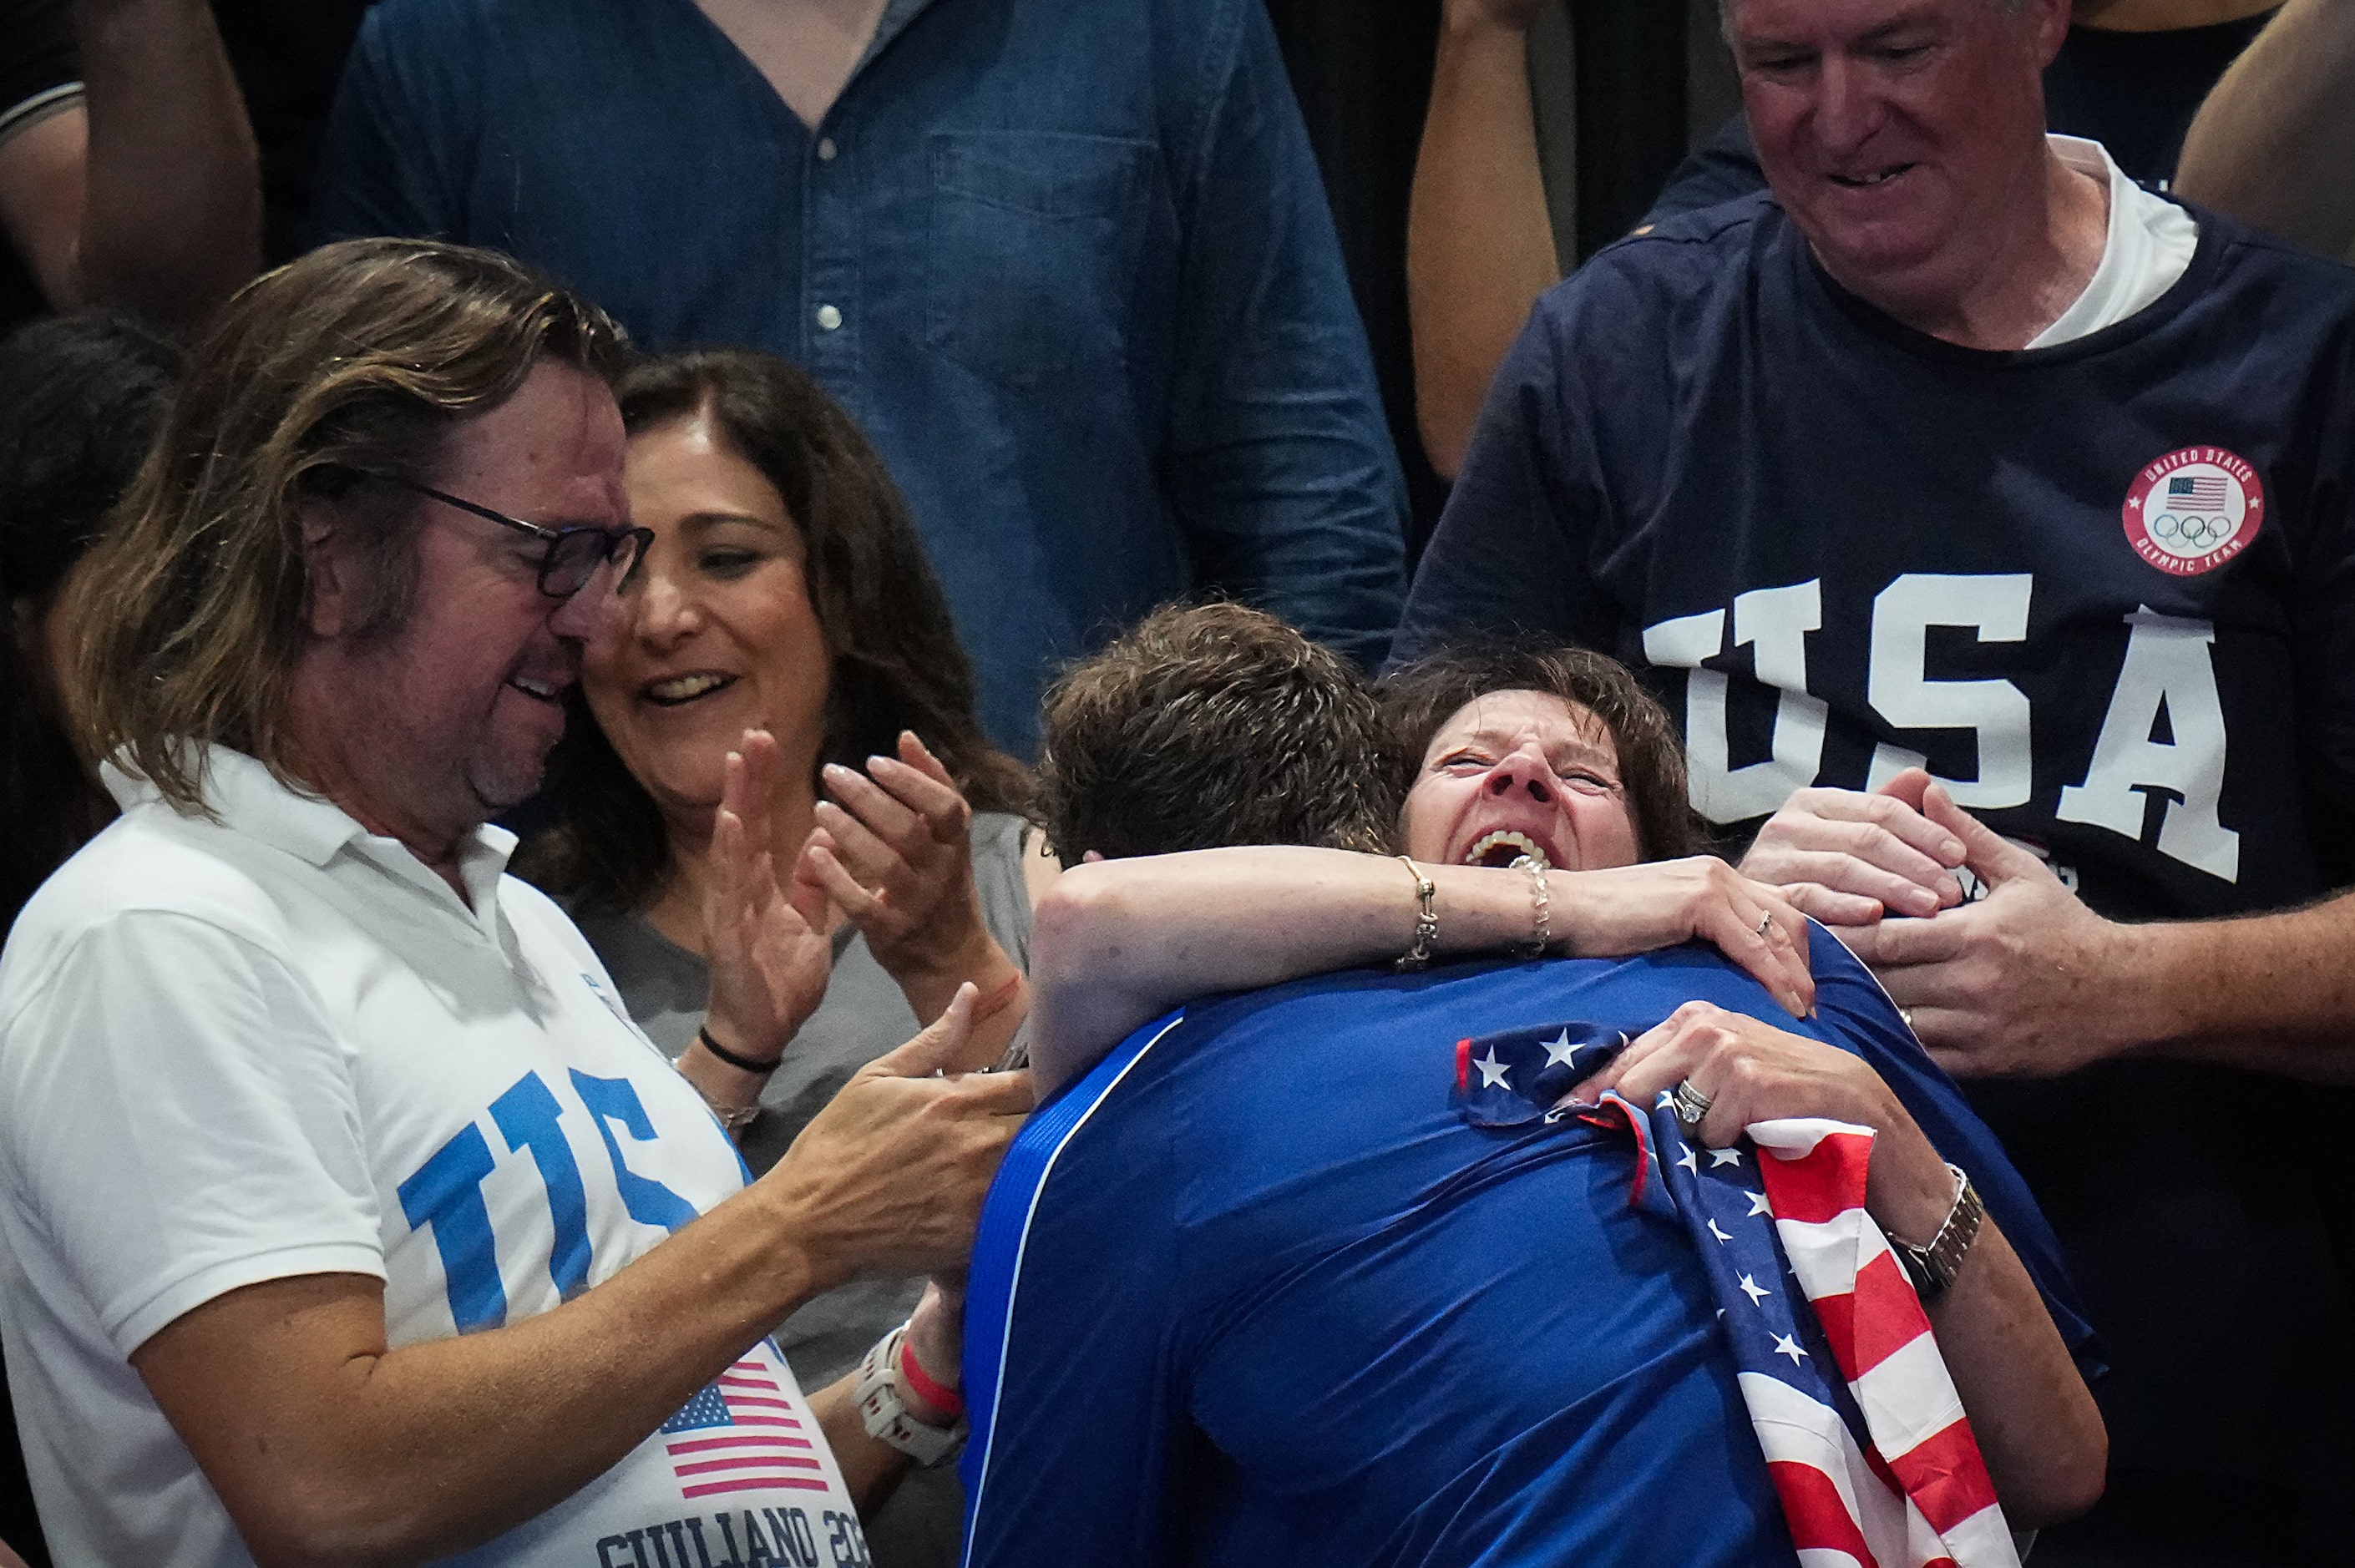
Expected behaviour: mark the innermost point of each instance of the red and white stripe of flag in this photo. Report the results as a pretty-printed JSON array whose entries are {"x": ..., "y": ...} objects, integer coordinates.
[{"x": 1920, "y": 1496}]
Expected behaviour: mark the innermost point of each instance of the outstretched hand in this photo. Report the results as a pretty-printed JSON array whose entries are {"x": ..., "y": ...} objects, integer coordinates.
[
  {"x": 889, "y": 1178},
  {"x": 1640, "y": 908},
  {"x": 768, "y": 947},
  {"x": 2022, "y": 983},
  {"x": 894, "y": 849}
]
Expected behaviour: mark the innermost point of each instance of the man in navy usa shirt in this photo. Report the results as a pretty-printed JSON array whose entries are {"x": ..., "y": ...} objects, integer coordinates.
[
  {"x": 1068, "y": 262},
  {"x": 1957, "y": 455},
  {"x": 1253, "y": 1290}
]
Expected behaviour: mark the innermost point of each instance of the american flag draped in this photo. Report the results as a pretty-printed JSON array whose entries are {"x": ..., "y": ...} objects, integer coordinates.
[{"x": 1864, "y": 1437}]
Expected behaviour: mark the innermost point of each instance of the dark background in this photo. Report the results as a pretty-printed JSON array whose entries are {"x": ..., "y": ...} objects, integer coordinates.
[{"x": 1362, "y": 71}]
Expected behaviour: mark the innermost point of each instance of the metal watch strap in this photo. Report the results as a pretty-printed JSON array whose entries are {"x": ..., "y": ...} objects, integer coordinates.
[
  {"x": 883, "y": 1407},
  {"x": 1932, "y": 1268}
]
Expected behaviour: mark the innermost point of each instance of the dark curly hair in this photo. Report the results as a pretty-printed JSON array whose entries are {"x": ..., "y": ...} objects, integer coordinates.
[
  {"x": 895, "y": 662},
  {"x": 1208, "y": 725},
  {"x": 1419, "y": 697}
]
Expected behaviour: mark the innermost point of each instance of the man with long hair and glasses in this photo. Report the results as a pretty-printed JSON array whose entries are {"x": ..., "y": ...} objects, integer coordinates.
[{"x": 347, "y": 1217}]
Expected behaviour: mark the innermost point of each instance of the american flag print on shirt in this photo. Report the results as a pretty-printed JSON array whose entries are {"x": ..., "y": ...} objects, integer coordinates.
[
  {"x": 1864, "y": 1435},
  {"x": 742, "y": 1434}
]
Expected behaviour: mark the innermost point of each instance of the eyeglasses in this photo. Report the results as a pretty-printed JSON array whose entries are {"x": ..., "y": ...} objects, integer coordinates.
[{"x": 574, "y": 551}]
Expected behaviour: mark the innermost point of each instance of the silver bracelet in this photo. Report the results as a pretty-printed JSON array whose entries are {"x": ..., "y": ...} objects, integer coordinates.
[
  {"x": 732, "y": 1119},
  {"x": 1426, "y": 919},
  {"x": 1541, "y": 901}
]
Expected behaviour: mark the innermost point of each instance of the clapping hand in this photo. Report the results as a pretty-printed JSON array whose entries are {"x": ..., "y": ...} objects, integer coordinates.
[
  {"x": 893, "y": 849},
  {"x": 768, "y": 946}
]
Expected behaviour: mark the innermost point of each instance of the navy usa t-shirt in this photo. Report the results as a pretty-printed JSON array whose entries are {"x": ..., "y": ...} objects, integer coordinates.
[
  {"x": 1253, "y": 1291},
  {"x": 2103, "y": 590}
]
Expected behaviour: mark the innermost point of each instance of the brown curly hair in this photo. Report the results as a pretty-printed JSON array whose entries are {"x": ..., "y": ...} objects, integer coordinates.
[{"x": 1211, "y": 725}]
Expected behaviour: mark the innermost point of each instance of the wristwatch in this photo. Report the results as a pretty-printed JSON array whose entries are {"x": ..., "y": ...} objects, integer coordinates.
[
  {"x": 1932, "y": 1268},
  {"x": 882, "y": 1396}
]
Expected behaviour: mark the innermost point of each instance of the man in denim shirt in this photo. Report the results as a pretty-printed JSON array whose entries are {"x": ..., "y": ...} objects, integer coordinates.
[{"x": 1068, "y": 262}]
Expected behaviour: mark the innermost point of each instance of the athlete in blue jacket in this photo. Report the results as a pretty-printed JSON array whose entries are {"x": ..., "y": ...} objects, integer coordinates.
[{"x": 1251, "y": 1289}]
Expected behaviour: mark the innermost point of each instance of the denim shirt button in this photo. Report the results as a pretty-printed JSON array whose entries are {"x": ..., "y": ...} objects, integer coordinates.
[
  {"x": 826, "y": 150},
  {"x": 828, "y": 318}
]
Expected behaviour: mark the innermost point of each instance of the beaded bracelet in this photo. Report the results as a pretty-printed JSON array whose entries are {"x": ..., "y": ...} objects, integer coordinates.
[{"x": 1541, "y": 902}]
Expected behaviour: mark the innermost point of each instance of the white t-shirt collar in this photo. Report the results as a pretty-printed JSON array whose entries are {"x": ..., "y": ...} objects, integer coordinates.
[
  {"x": 2148, "y": 249},
  {"x": 251, "y": 800}
]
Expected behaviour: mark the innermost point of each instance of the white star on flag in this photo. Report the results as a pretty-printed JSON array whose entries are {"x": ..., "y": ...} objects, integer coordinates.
[
  {"x": 1717, "y": 1157},
  {"x": 1786, "y": 1345},
  {"x": 1560, "y": 1051},
  {"x": 1758, "y": 1205},
  {"x": 1755, "y": 1291},
  {"x": 1720, "y": 1235},
  {"x": 1492, "y": 1072},
  {"x": 1689, "y": 1160}
]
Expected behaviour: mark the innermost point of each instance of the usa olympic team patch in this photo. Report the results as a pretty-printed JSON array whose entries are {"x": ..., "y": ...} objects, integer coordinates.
[{"x": 2194, "y": 510}]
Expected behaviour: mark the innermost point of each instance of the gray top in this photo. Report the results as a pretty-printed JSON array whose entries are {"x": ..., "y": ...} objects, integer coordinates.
[{"x": 863, "y": 1016}]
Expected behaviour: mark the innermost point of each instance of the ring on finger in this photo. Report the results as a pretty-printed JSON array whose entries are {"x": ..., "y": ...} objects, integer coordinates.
[
  {"x": 1907, "y": 1014},
  {"x": 1765, "y": 923},
  {"x": 1691, "y": 1105}
]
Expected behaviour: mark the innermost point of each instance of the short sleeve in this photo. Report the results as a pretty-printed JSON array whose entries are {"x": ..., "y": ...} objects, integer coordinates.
[{"x": 182, "y": 1123}]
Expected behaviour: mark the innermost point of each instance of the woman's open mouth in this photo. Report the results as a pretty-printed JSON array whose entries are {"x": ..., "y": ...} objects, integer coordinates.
[{"x": 1505, "y": 846}]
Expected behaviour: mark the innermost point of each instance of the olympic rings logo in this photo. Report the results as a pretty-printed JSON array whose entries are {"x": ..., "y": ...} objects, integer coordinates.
[{"x": 2192, "y": 533}]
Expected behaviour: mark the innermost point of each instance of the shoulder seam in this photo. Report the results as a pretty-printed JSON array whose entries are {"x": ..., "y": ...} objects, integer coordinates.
[{"x": 48, "y": 979}]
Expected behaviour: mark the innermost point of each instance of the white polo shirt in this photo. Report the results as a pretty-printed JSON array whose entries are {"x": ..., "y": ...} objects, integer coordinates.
[{"x": 276, "y": 1045}]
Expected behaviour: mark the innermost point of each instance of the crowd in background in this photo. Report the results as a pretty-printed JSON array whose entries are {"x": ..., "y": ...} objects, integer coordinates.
[{"x": 967, "y": 331}]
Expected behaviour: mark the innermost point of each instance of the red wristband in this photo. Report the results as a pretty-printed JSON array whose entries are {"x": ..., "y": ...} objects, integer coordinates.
[{"x": 945, "y": 1400}]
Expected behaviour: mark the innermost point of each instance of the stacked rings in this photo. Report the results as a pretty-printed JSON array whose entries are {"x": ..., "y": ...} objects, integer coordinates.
[{"x": 1691, "y": 1105}]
